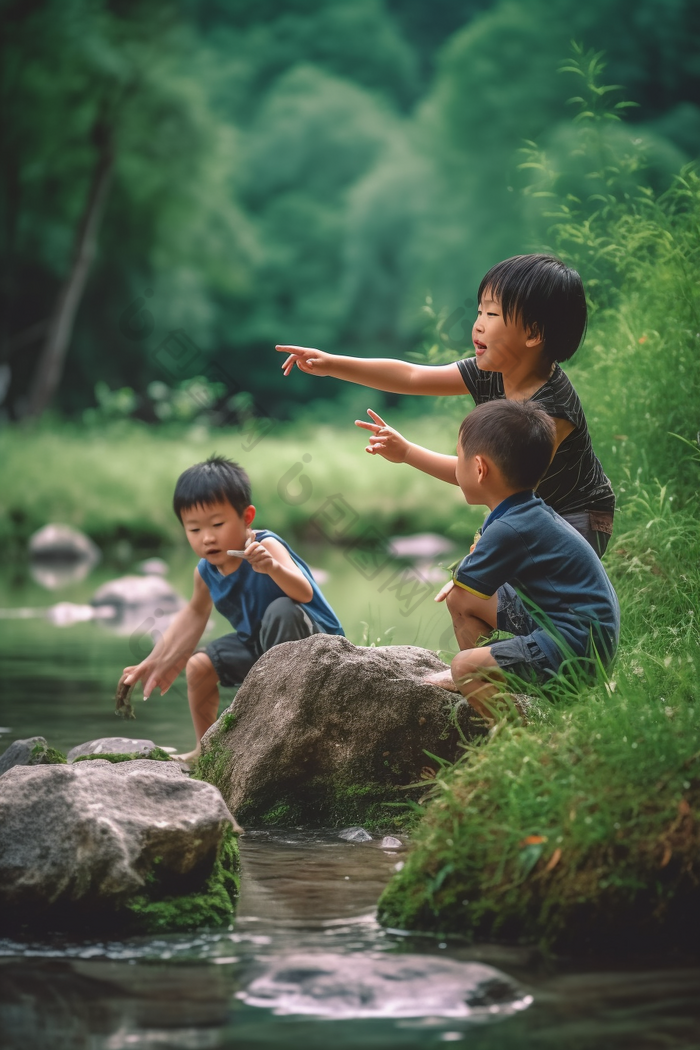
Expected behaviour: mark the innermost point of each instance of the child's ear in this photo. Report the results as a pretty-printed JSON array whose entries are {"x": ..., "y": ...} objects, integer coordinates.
[
  {"x": 482, "y": 468},
  {"x": 534, "y": 336},
  {"x": 248, "y": 515}
]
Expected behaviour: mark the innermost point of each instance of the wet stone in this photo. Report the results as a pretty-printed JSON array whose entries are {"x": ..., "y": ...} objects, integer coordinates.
[{"x": 355, "y": 835}]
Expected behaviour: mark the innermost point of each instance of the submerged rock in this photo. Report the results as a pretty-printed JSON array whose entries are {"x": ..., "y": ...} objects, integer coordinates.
[
  {"x": 355, "y": 835},
  {"x": 84, "y": 840},
  {"x": 353, "y": 986},
  {"x": 322, "y": 730}
]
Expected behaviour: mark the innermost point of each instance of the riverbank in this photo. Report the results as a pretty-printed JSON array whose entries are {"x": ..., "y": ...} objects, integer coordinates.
[
  {"x": 72, "y": 474},
  {"x": 579, "y": 832}
]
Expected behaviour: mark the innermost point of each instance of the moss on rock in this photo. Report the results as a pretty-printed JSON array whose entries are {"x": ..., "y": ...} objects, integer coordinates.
[
  {"x": 212, "y": 905},
  {"x": 44, "y": 755},
  {"x": 156, "y": 754},
  {"x": 329, "y": 804}
]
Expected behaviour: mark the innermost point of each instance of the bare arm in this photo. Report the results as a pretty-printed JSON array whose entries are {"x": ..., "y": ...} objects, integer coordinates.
[
  {"x": 396, "y": 377},
  {"x": 388, "y": 443},
  {"x": 271, "y": 557},
  {"x": 174, "y": 648}
]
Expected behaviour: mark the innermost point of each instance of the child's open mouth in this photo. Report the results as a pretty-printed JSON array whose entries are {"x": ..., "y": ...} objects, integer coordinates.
[{"x": 479, "y": 347}]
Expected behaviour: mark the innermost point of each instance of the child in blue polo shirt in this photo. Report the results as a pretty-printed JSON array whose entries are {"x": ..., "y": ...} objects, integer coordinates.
[
  {"x": 252, "y": 576},
  {"x": 530, "y": 573}
]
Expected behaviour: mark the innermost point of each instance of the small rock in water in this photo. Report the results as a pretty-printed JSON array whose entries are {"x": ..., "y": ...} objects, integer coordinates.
[
  {"x": 355, "y": 835},
  {"x": 20, "y": 753},
  {"x": 111, "y": 745},
  {"x": 389, "y": 842},
  {"x": 153, "y": 567},
  {"x": 356, "y": 986}
]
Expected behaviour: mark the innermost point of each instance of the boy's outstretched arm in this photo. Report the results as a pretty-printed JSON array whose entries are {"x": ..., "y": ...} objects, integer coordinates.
[
  {"x": 170, "y": 654},
  {"x": 388, "y": 443},
  {"x": 380, "y": 373}
]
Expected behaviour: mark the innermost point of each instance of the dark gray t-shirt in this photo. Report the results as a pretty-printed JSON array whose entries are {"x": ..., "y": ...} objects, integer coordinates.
[
  {"x": 556, "y": 573},
  {"x": 575, "y": 479}
]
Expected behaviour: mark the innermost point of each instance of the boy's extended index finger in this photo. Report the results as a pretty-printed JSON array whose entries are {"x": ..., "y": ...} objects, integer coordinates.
[{"x": 377, "y": 419}]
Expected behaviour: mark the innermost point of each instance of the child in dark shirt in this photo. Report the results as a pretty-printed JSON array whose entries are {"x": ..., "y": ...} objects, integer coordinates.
[
  {"x": 252, "y": 576},
  {"x": 530, "y": 573},
  {"x": 531, "y": 315}
]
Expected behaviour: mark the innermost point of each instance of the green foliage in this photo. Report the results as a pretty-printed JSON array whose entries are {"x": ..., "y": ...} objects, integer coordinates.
[
  {"x": 578, "y": 827},
  {"x": 292, "y": 172}
]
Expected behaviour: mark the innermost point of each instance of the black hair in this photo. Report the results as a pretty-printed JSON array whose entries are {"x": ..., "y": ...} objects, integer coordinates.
[
  {"x": 546, "y": 296},
  {"x": 217, "y": 480},
  {"x": 518, "y": 436}
]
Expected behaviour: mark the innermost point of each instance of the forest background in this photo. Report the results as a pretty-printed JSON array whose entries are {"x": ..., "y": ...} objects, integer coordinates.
[{"x": 184, "y": 185}]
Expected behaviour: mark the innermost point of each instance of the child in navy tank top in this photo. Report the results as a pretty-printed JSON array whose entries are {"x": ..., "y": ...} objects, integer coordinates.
[{"x": 252, "y": 577}]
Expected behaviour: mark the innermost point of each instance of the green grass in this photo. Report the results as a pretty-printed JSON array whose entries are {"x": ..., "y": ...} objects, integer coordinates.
[
  {"x": 578, "y": 829},
  {"x": 116, "y": 482}
]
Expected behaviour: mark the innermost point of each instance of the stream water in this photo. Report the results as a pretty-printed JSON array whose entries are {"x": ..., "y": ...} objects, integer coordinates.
[{"x": 305, "y": 964}]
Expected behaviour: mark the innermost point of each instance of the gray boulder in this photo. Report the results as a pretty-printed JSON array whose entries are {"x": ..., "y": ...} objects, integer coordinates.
[
  {"x": 94, "y": 834},
  {"x": 322, "y": 730},
  {"x": 111, "y": 745},
  {"x": 19, "y": 753}
]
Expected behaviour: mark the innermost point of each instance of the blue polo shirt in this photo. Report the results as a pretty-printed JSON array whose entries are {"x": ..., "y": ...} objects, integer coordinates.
[
  {"x": 244, "y": 595},
  {"x": 555, "y": 572}
]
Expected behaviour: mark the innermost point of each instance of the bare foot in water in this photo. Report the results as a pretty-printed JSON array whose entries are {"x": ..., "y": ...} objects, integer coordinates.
[{"x": 443, "y": 679}]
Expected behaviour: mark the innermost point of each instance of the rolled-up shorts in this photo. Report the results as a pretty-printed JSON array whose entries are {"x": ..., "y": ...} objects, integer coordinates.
[{"x": 522, "y": 654}]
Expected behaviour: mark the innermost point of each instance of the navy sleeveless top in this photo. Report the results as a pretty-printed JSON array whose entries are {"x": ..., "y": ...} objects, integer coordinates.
[{"x": 244, "y": 595}]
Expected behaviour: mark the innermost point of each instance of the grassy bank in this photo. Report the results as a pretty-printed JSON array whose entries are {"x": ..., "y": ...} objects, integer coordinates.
[
  {"x": 580, "y": 829},
  {"x": 116, "y": 482}
]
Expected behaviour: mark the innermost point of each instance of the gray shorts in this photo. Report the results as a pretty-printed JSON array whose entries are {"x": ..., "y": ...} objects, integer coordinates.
[
  {"x": 595, "y": 527},
  {"x": 284, "y": 620},
  {"x": 522, "y": 654}
]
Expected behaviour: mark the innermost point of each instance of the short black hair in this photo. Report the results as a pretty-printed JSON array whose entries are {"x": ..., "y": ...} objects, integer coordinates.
[
  {"x": 546, "y": 296},
  {"x": 518, "y": 436},
  {"x": 217, "y": 480}
]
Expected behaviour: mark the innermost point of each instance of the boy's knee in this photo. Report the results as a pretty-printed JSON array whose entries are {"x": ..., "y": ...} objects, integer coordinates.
[
  {"x": 285, "y": 621},
  {"x": 199, "y": 666}
]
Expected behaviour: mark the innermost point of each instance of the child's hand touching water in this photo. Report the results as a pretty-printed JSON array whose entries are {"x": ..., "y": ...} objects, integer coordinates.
[{"x": 384, "y": 440}]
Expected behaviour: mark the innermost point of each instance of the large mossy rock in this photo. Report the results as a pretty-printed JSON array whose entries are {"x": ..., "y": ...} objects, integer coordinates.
[
  {"x": 136, "y": 844},
  {"x": 323, "y": 732}
]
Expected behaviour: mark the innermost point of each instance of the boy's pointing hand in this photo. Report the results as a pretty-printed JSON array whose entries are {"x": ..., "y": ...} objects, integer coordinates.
[
  {"x": 384, "y": 440},
  {"x": 314, "y": 362}
]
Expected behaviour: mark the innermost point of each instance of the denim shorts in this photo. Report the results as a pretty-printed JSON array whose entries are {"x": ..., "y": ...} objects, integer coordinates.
[{"x": 522, "y": 654}]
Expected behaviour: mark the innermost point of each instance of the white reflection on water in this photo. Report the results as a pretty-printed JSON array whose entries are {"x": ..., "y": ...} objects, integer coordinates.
[{"x": 374, "y": 985}]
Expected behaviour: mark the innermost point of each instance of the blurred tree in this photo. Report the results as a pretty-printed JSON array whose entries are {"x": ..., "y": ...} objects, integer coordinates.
[{"x": 87, "y": 94}]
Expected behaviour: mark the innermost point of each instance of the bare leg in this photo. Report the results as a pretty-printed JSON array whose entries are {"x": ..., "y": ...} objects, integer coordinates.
[
  {"x": 472, "y": 618},
  {"x": 475, "y": 674},
  {"x": 203, "y": 696}
]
